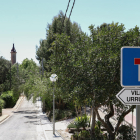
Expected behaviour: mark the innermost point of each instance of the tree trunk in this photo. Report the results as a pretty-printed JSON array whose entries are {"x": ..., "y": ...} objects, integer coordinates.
[
  {"x": 90, "y": 116},
  {"x": 43, "y": 108},
  {"x": 81, "y": 111},
  {"x": 76, "y": 110},
  {"x": 63, "y": 104},
  {"x": 59, "y": 104},
  {"x": 85, "y": 109},
  {"x": 93, "y": 119},
  {"x": 112, "y": 136}
]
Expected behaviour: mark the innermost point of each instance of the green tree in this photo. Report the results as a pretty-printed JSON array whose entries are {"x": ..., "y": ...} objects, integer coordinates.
[
  {"x": 106, "y": 61},
  {"x": 90, "y": 68},
  {"x": 70, "y": 29},
  {"x": 4, "y": 74}
]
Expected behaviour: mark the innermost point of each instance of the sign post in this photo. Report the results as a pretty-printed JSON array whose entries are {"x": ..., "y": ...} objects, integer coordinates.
[{"x": 130, "y": 81}]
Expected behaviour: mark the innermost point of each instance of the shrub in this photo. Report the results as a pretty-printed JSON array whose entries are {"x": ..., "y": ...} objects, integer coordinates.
[
  {"x": 98, "y": 134},
  {"x": 81, "y": 121},
  {"x": 125, "y": 132},
  {"x": 75, "y": 136},
  {"x": 1, "y": 105},
  {"x": 60, "y": 114},
  {"x": 9, "y": 98},
  {"x": 71, "y": 125},
  {"x": 70, "y": 105},
  {"x": 84, "y": 134}
]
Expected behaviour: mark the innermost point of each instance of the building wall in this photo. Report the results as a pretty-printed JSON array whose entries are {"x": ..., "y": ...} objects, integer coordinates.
[{"x": 13, "y": 57}]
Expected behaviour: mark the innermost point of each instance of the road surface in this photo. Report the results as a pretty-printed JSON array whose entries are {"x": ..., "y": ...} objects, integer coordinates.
[{"x": 24, "y": 124}]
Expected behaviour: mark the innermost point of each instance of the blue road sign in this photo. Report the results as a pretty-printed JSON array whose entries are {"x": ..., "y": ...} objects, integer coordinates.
[{"x": 130, "y": 66}]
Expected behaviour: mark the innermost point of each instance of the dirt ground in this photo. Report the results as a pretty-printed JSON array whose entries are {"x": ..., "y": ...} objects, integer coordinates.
[{"x": 65, "y": 134}]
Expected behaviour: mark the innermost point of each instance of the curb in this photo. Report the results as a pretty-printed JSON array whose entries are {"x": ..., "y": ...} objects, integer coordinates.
[
  {"x": 3, "y": 118},
  {"x": 18, "y": 102},
  {"x": 57, "y": 132}
]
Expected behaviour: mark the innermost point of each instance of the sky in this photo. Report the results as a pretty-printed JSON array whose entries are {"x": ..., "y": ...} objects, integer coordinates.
[{"x": 24, "y": 22}]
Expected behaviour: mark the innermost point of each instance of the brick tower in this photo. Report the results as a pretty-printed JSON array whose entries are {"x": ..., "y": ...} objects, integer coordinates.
[{"x": 13, "y": 55}]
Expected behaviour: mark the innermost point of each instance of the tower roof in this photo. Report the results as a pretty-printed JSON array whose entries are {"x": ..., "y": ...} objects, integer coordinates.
[{"x": 13, "y": 49}]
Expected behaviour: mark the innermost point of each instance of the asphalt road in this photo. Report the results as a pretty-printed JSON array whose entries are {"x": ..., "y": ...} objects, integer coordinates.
[{"x": 24, "y": 124}]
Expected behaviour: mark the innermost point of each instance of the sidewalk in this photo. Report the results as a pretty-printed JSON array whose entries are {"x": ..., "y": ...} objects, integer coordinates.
[
  {"x": 47, "y": 126},
  {"x": 6, "y": 113}
]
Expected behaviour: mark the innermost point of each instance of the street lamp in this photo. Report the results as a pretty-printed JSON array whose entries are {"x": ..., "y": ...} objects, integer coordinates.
[{"x": 53, "y": 78}]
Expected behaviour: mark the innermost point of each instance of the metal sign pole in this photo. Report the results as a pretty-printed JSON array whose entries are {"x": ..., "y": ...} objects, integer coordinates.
[
  {"x": 132, "y": 118},
  {"x": 132, "y": 125},
  {"x": 137, "y": 122}
]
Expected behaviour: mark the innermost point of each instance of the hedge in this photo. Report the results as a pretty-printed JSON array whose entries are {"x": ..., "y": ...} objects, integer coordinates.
[{"x": 9, "y": 98}]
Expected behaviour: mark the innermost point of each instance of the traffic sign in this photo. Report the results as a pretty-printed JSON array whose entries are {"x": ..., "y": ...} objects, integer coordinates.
[
  {"x": 129, "y": 96},
  {"x": 130, "y": 66}
]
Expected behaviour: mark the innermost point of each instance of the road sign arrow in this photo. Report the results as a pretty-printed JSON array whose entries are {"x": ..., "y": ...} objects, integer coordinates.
[{"x": 129, "y": 96}]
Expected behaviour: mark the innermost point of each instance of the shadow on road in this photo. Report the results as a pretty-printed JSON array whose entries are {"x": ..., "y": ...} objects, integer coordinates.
[
  {"x": 31, "y": 117},
  {"x": 33, "y": 122},
  {"x": 42, "y": 117},
  {"x": 26, "y": 112}
]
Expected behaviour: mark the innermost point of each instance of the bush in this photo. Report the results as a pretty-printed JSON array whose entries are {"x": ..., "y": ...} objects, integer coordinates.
[
  {"x": 9, "y": 98},
  {"x": 84, "y": 134},
  {"x": 1, "y": 105},
  {"x": 71, "y": 125},
  {"x": 81, "y": 121},
  {"x": 60, "y": 114},
  {"x": 70, "y": 105},
  {"x": 125, "y": 133},
  {"x": 75, "y": 136}
]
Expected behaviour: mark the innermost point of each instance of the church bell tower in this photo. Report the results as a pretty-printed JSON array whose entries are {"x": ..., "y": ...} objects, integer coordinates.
[{"x": 13, "y": 55}]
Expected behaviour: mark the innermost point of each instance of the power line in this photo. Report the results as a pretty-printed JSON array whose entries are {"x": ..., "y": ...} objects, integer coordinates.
[
  {"x": 71, "y": 9},
  {"x": 67, "y": 10}
]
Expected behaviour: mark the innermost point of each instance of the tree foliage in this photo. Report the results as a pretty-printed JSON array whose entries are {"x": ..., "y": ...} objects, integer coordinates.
[
  {"x": 4, "y": 74},
  {"x": 88, "y": 67}
]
